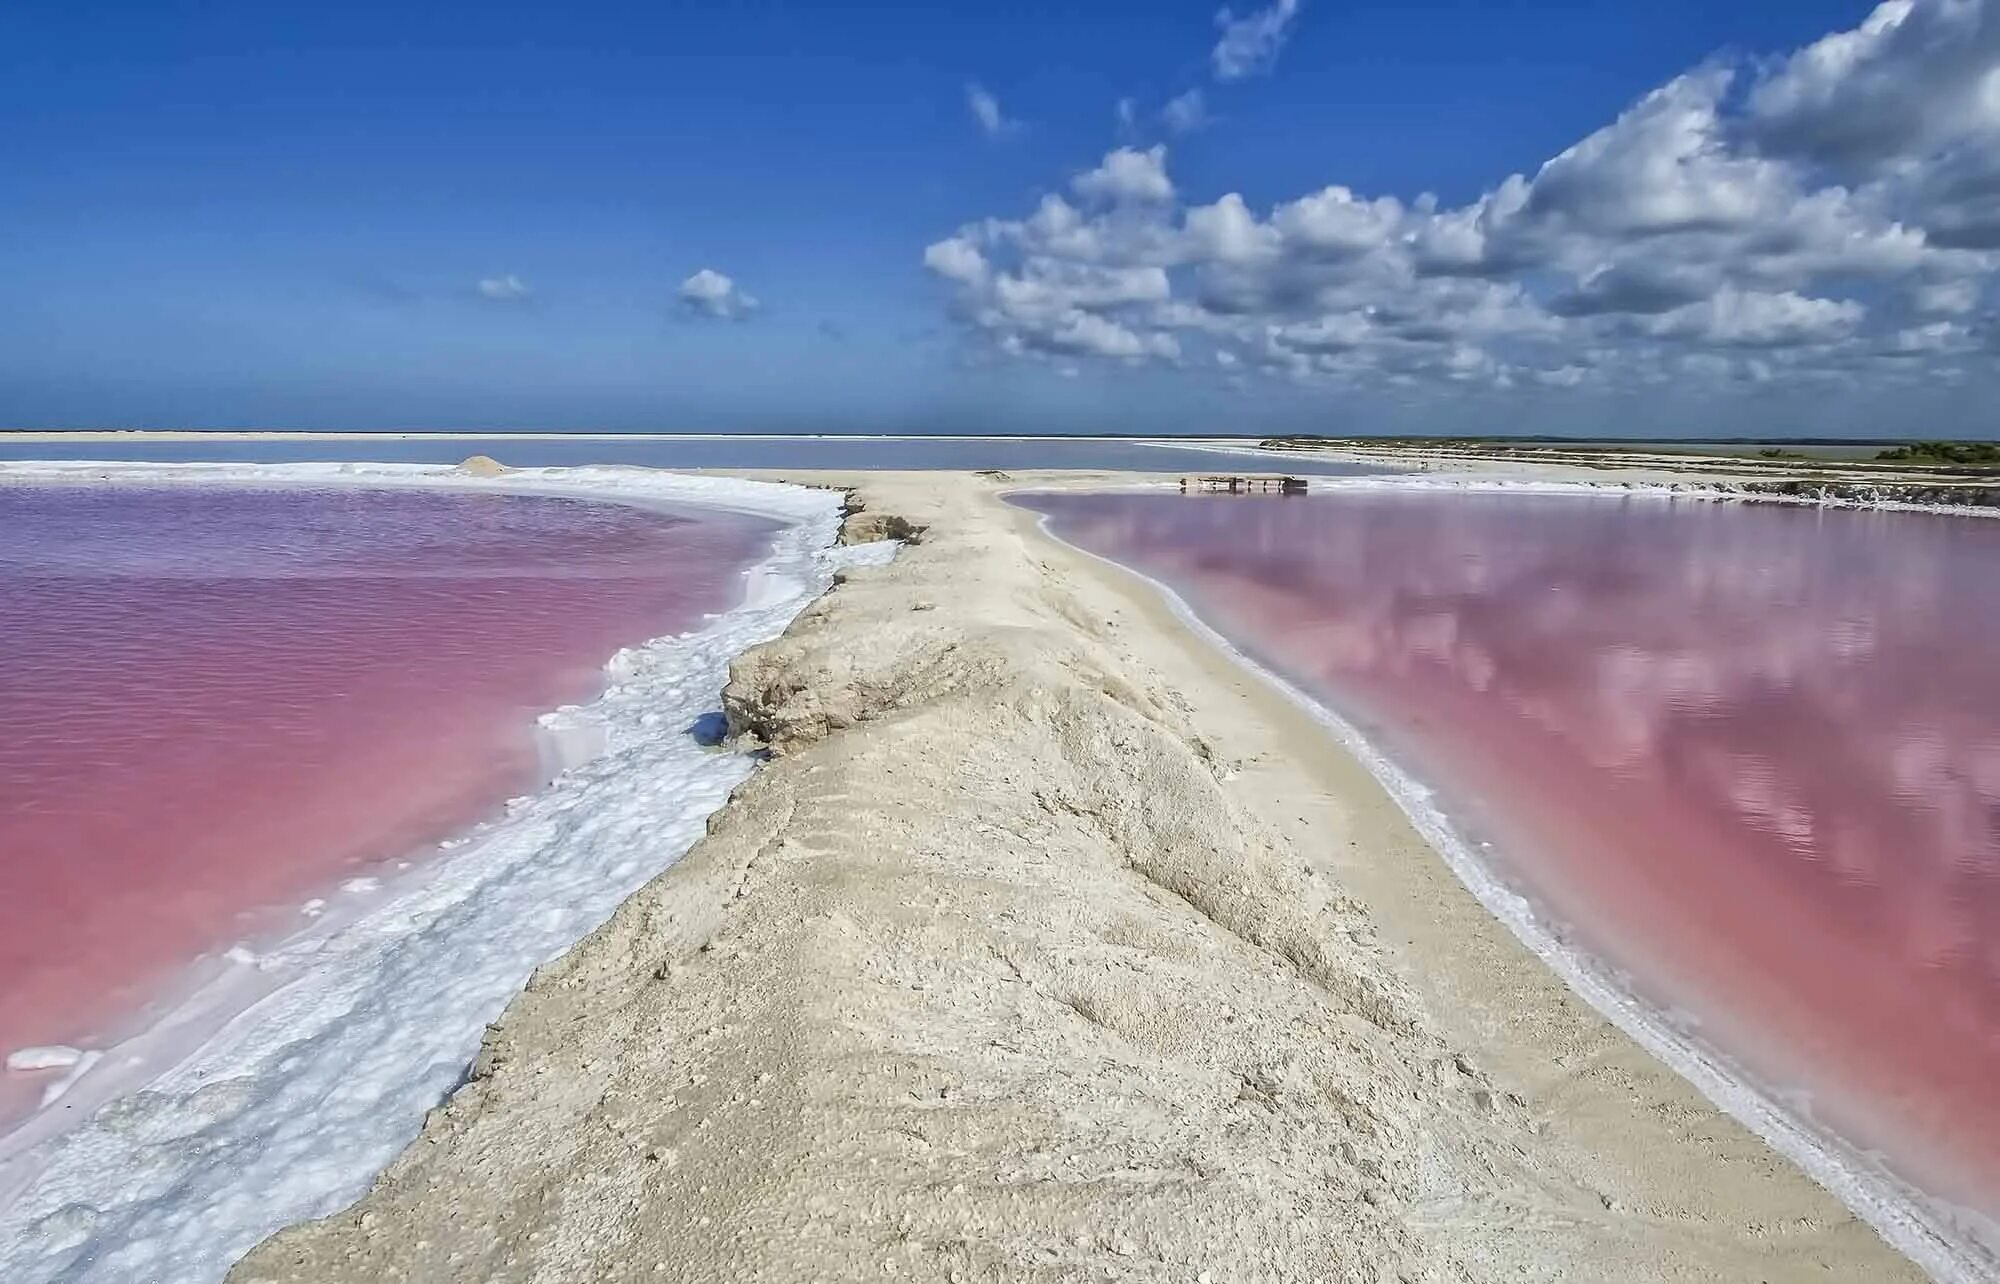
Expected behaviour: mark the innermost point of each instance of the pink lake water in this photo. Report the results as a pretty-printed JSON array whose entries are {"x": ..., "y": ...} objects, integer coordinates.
[
  {"x": 1748, "y": 754},
  {"x": 221, "y": 703}
]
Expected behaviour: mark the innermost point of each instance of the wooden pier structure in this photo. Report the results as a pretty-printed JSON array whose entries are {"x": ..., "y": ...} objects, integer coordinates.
[{"x": 1242, "y": 484}]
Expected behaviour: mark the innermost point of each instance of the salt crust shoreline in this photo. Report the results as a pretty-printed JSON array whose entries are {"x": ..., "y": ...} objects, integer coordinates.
[
  {"x": 287, "y": 1076},
  {"x": 1052, "y": 945},
  {"x": 1944, "y": 1240},
  {"x": 1558, "y": 480}
]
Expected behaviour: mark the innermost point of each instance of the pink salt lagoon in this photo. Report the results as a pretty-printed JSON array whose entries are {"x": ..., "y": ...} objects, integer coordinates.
[
  {"x": 1749, "y": 755},
  {"x": 222, "y": 704}
]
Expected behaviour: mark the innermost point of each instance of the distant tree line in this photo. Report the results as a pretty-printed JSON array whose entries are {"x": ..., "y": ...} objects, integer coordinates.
[{"x": 1978, "y": 454}]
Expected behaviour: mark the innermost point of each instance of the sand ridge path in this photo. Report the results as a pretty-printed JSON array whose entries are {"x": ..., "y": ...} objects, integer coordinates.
[{"x": 1039, "y": 952}]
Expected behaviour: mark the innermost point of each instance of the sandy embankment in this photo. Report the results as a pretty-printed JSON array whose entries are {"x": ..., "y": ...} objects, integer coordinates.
[{"x": 1053, "y": 946}]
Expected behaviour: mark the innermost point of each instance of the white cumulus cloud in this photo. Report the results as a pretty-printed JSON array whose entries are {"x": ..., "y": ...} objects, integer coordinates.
[
  {"x": 1813, "y": 217},
  {"x": 1127, "y": 175},
  {"x": 711, "y": 294},
  {"x": 956, "y": 259},
  {"x": 1916, "y": 76},
  {"x": 1741, "y": 318}
]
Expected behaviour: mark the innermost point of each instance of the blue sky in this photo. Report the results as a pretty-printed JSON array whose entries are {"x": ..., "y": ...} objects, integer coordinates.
[{"x": 698, "y": 217}]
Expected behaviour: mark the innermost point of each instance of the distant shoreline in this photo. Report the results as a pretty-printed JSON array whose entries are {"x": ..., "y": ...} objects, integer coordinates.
[
  {"x": 1677, "y": 445},
  {"x": 396, "y": 434}
]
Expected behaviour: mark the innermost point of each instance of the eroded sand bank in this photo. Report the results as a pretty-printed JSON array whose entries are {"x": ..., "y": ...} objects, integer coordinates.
[{"x": 1052, "y": 946}]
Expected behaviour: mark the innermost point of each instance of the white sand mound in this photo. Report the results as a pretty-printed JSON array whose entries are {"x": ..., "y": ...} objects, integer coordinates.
[{"x": 988, "y": 976}]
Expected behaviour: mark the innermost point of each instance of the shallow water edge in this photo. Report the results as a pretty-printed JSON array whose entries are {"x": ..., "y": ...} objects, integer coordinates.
[
  {"x": 1950, "y": 1243},
  {"x": 353, "y": 1030}
]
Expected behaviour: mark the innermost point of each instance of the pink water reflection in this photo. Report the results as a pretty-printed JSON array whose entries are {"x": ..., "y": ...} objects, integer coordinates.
[
  {"x": 1750, "y": 754},
  {"x": 219, "y": 703}
]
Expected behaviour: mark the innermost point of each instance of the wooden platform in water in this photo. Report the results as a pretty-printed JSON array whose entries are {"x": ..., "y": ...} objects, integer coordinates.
[{"x": 1242, "y": 484}]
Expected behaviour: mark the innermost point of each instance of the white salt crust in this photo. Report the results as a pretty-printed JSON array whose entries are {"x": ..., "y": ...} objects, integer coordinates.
[{"x": 294, "y": 1072}]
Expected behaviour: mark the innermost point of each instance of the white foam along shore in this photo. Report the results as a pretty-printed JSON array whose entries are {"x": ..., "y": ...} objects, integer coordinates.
[
  {"x": 1951, "y": 1244},
  {"x": 286, "y": 1081}
]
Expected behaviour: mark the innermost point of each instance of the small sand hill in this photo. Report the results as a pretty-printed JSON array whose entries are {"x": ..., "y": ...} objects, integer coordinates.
[
  {"x": 989, "y": 976},
  {"x": 482, "y": 466}
]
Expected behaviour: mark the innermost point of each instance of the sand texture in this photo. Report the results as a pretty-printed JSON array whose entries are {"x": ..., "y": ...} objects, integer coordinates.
[{"x": 1050, "y": 946}]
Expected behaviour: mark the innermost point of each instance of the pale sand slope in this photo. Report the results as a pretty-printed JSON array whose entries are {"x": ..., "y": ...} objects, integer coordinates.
[{"x": 1051, "y": 946}]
